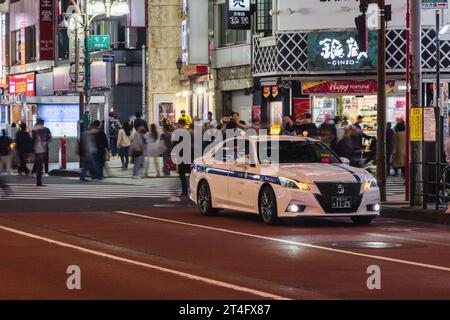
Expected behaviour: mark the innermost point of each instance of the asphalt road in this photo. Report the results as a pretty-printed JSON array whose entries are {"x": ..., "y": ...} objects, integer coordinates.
[{"x": 152, "y": 248}]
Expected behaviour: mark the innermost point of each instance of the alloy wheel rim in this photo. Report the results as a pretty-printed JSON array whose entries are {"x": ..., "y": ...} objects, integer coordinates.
[
  {"x": 266, "y": 207},
  {"x": 203, "y": 198}
]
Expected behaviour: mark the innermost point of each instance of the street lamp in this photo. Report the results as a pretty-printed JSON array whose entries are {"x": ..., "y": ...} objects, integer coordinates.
[{"x": 179, "y": 65}]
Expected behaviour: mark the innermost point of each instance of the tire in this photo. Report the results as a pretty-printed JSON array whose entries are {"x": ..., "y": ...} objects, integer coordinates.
[
  {"x": 362, "y": 221},
  {"x": 204, "y": 200},
  {"x": 268, "y": 206}
]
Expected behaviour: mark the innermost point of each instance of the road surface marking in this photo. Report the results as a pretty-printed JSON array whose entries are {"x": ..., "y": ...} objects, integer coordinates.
[
  {"x": 301, "y": 244},
  {"x": 408, "y": 239},
  {"x": 148, "y": 266}
]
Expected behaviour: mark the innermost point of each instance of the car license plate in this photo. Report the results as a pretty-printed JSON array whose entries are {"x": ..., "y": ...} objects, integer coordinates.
[{"x": 341, "y": 202}]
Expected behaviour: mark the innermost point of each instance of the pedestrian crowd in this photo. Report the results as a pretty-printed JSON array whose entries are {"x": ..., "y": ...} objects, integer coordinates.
[{"x": 142, "y": 145}]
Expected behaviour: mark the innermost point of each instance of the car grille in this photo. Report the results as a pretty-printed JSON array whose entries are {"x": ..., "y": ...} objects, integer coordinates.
[{"x": 329, "y": 190}]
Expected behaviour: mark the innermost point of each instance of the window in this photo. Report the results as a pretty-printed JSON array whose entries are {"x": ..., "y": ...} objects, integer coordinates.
[
  {"x": 23, "y": 46},
  {"x": 229, "y": 37},
  {"x": 263, "y": 18}
]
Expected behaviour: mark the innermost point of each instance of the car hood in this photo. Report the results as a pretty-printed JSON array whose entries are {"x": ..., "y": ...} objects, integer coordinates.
[{"x": 318, "y": 172}]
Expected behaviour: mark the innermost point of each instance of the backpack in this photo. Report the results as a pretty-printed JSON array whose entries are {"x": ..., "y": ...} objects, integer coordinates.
[{"x": 113, "y": 129}]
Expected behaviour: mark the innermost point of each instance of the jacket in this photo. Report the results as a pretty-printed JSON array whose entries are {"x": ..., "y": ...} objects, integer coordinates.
[{"x": 399, "y": 149}]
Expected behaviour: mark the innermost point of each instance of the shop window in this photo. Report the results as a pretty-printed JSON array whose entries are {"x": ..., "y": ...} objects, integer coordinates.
[
  {"x": 16, "y": 48},
  {"x": 30, "y": 44},
  {"x": 229, "y": 37},
  {"x": 23, "y": 46},
  {"x": 263, "y": 18}
]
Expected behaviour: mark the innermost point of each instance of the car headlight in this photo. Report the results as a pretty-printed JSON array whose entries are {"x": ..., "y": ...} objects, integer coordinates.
[
  {"x": 292, "y": 184},
  {"x": 371, "y": 184}
]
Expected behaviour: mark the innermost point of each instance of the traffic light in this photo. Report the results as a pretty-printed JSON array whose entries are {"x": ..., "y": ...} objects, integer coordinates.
[{"x": 362, "y": 37}]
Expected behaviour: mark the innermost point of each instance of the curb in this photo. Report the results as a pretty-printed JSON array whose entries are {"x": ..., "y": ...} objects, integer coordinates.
[{"x": 416, "y": 214}]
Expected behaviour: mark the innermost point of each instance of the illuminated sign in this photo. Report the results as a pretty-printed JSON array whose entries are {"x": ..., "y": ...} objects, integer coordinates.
[
  {"x": 22, "y": 84},
  {"x": 339, "y": 51}
]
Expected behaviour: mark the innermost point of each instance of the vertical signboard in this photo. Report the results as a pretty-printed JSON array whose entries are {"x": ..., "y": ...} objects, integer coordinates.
[
  {"x": 198, "y": 37},
  {"x": 238, "y": 14},
  {"x": 46, "y": 16}
]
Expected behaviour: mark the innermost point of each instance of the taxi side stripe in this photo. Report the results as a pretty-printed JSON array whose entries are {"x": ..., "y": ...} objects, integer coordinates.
[{"x": 349, "y": 171}]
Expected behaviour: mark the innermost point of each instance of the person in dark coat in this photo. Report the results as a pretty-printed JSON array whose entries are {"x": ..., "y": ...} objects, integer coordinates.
[
  {"x": 24, "y": 146},
  {"x": 101, "y": 141}
]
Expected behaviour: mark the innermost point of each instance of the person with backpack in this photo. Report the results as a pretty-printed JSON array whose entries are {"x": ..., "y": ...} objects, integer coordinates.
[
  {"x": 40, "y": 141},
  {"x": 114, "y": 128},
  {"x": 24, "y": 147}
]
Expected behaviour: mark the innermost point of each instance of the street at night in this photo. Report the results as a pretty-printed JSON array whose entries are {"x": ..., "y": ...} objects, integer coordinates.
[
  {"x": 224, "y": 159},
  {"x": 137, "y": 248}
]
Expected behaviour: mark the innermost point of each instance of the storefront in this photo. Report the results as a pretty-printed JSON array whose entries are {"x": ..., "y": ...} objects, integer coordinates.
[
  {"x": 349, "y": 99},
  {"x": 20, "y": 88}
]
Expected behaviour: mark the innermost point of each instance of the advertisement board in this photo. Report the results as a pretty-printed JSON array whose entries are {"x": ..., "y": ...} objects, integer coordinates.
[
  {"x": 24, "y": 83},
  {"x": 61, "y": 119},
  {"x": 339, "y": 51}
]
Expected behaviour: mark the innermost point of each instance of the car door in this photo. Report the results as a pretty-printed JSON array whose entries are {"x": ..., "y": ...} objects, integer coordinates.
[
  {"x": 241, "y": 185},
  {"x": 219, "y": 171}
]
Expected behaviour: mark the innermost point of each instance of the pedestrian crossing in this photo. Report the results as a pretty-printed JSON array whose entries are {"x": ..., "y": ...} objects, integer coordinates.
[
  {"x": 395, "y": 186},
  {"x": 91, "y": 191}
]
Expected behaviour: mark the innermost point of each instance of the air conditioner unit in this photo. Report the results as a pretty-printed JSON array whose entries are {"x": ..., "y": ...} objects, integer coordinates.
[{"x": 4, "y": 6}]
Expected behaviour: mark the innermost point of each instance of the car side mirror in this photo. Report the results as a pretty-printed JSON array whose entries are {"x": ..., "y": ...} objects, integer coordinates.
[{"x": 345, "y": 161}]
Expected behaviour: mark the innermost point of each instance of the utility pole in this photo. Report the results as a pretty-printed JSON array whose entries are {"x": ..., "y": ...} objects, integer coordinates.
[
  {"x": 381, "y": 131},
  {"x": 416, "y": 96}
]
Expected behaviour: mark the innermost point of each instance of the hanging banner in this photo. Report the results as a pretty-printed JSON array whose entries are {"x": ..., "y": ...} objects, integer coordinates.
[
  {"x": 345, "y": 87},
  {"x": 266, "y": 92},
  {"x": 275, "y": 91},
  {"x": 46, "y": 42},
  {"x": 416, "y": 121}
]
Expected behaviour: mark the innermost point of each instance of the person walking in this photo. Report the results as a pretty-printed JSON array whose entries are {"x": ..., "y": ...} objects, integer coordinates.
[
  {"x": 166, "y": 138},
  {"x": 211, "y": 123},
  {"x": 5, "y": 152},
  {"x": 152, "y": 150},
  {"x": 184, "y": 168},
  {"x": 47, "y": 135},
  {"x": 24, "y": 148},
  {"x": 399, "y": 148},
  {"x": 137, "y": 150},
  {"x": 101, "y": 141},
  {"x": 389, "y": 137},
  {"x": 138, "y": 122},
  {"x": 308, "y": 128},
  {"x": 14, "y": 131},
  {"x": 88, "y": 153},
  {"x": 328, "y": 133},
  {"x": 289, "y": 126},
  {"x": 123, "y": 144},
  {"x": 40, "y": 138},
  {"x": 114, "y": 128}
]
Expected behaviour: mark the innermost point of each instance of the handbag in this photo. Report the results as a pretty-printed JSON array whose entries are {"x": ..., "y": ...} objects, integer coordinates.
[{"x": 170, "y": 165}]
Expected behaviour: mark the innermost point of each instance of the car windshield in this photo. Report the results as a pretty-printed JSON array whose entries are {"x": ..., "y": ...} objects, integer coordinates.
[{"x": 295, "y": 152}]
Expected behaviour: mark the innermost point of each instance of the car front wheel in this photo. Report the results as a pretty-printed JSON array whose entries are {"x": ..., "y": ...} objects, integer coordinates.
[
  {"x": 204, "y": 200},
  {"x": 362, "y": 221},
  {"x": 268, "y": 205}
]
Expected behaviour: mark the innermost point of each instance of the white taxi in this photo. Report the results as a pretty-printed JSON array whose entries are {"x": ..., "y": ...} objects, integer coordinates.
[{"x": 306, "y": 179}]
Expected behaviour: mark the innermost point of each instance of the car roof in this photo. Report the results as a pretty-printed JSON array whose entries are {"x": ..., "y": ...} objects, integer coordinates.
[{"x": 281, "y": 138}]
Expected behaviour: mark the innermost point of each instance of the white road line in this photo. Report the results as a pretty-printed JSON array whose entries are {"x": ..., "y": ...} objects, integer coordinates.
[
  {"x": 301, "y": 244},
  {"x": 408, "y": 239},
  {"x": 148, "y": 266}
]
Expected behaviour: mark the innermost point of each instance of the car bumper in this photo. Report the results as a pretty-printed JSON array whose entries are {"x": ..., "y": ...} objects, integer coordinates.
[{"x": 311, "y": 207}]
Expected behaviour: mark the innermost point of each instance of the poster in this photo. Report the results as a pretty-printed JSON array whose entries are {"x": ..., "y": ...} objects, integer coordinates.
[
  {"x": 429, "y": 122},
  {"x": 416, "y": 124},
  {"x": 300, "y": 107},
  {"x": 256, "y": 114},
  {"x": 61, "y": 119},
  {"x": 166, "y": 113}
]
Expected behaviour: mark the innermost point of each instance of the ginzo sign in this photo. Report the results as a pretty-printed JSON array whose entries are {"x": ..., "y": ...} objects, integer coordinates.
[
  {"x": 238, "y": 14},
  {"x": 339, "y": 51}
]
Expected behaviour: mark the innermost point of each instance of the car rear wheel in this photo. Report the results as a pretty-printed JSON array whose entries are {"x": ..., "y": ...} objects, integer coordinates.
[
  {"x": 363, "y": 221},
  {"x": 268, "y": 205},
  {"x": 204, "y": 200}
]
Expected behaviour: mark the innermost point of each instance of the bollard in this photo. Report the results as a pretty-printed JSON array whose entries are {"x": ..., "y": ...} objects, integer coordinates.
[{"x": 63, "y": 155}]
